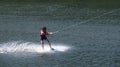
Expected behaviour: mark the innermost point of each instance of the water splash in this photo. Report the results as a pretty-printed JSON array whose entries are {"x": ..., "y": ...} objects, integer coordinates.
[{"x": 21, "y": 46}]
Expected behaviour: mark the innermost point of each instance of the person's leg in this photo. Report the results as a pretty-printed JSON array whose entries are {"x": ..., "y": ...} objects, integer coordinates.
[
  {"x": 42, "y": 43},
  {"x": 49, "y": 43}
]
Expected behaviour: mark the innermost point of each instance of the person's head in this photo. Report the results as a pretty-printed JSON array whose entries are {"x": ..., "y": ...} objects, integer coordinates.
[{"x": 44, "y": 28}]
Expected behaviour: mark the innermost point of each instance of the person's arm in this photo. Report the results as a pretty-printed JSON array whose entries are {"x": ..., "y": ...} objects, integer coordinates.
[{"x": 50, "y": 33}]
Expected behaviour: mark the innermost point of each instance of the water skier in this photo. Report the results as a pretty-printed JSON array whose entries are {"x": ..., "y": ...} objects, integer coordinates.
[{"x": 43, "y": 34}]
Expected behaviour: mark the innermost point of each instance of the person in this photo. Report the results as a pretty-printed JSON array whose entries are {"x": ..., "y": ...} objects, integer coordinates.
[{"x": 43, "y": 34}]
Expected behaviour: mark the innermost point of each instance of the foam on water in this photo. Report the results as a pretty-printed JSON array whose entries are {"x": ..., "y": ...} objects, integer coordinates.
[{"x": 20, "y": 46}]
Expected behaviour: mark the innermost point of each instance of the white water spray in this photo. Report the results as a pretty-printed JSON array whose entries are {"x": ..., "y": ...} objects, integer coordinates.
[{"x": 19, "y": 46}]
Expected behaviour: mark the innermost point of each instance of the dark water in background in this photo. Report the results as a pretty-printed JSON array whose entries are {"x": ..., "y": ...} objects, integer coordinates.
[{"x": 93, "y": 44}]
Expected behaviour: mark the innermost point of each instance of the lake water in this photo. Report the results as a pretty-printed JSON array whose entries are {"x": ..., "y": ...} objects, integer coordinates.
[{"x": 95, "y": 43}]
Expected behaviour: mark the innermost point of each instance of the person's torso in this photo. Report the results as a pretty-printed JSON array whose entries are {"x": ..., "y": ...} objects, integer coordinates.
[{"x": 43, "y": 32}]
